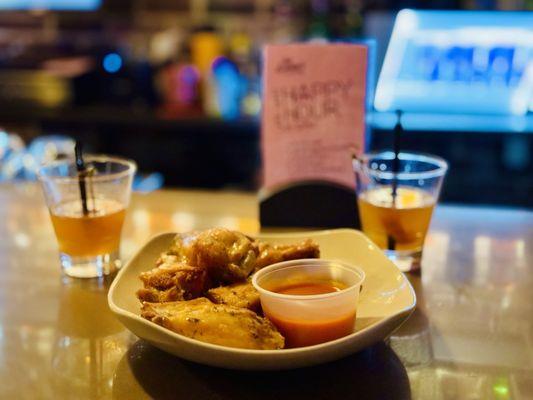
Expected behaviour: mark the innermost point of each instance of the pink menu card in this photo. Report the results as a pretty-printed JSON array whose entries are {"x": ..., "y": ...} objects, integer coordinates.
[{"x": 313, "y": 113}]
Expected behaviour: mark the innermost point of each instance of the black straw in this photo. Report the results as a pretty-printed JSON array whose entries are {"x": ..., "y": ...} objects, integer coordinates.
[
  {"x": 355, "y": 160},
  {"x": 398, "y": 129},
  {"x": 80, "y": 166},
  {"x": 391, "y": 242}
]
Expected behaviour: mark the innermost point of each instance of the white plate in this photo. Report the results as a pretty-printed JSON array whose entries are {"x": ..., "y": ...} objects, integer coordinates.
[{"x": 386, "y": 301}]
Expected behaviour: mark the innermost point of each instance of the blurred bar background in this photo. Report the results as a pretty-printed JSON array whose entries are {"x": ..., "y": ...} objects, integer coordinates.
[{"x": 176, "y": 85}]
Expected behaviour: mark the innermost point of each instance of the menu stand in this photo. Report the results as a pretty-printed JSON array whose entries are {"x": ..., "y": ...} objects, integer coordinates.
[{"x": 309, "y": 204}]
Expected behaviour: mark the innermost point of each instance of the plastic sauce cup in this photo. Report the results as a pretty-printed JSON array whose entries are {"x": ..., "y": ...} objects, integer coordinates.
[{"x": 305, "y": 320}]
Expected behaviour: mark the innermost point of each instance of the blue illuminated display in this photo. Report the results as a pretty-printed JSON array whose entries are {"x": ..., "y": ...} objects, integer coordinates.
[
  {"x": 112, "y": 63},
  {"x": 458, "y": 62},
  {"x": 79, "y": 5}
]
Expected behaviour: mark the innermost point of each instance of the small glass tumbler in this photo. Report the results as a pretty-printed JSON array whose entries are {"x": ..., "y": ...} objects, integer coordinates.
[
  {"x": 88, "y": 232},
  {"x": 395, "y": 208}
]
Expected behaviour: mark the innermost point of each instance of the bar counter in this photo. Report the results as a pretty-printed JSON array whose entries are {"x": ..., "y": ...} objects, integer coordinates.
[{"x": 471, "y": 335}]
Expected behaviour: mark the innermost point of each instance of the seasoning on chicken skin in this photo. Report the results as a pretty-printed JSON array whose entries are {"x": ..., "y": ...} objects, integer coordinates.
[{"x": 220, "y": 324}]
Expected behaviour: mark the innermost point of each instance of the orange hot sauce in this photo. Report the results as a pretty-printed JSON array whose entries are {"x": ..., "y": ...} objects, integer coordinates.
[{"x": 299, "y": 333}]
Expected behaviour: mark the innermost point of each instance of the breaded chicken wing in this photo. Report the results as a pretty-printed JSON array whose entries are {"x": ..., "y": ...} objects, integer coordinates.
[
  {"x": 241, "y": 294},
  {"x": 202, "y": 320},
  {"x": 170, "y": 282},
  {"x": 271, "y": 254},
  {"x": 153, "y": 295},
  {"x": 228, "y": 256}
]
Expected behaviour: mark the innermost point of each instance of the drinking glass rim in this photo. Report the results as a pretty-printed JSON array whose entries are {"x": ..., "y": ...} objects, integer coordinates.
[
  {"x": 441, "y": 165},
  {"x": 130, "y": 164}
]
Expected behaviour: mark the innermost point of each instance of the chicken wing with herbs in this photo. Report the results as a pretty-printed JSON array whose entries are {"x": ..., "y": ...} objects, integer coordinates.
[
  {"x": 220, "y": 324},
  {"x": 241, "y": 294}
]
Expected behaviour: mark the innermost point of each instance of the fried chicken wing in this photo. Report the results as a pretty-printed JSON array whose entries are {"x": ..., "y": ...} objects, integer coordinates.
[
  {"x": 271, "y": 254},
  {"x": 159, "y": 296},
  {"x": 241, "y": 294},
  {"x": 229, "y": 256},
  {"x": 215, "y": 323},
  {"x": 173, "y": 281}
]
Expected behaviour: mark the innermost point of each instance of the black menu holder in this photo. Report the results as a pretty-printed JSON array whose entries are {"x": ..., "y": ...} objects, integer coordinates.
[{"x": 309, "y": 204}]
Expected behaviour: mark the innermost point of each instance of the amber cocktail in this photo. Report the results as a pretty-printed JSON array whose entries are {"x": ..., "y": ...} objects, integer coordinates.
[
  {"x": 395, "y": 208},
  {"x": 100, "y": 229},
  {"x": 88, "y": 237},
  {"x": 406, "y": 222}
]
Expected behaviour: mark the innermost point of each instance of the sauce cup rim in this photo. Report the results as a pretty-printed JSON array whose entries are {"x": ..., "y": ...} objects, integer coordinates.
[{"x": 306, "y": 261}]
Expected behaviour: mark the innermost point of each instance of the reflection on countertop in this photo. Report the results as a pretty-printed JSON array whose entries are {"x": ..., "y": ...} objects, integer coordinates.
[
  {"x": 471, "y": 334},
  {"x": 89, "y": 340}
]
